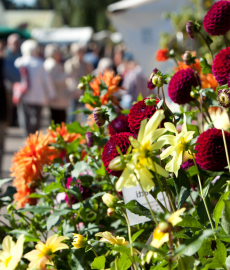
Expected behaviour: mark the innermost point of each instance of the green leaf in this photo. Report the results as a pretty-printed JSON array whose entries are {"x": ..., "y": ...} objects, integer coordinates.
[
  {"x": 124, "y": 262},
  {"x": 79, "y": 167},
  {"x": 38, "y": 209},
  {"x": 140, "y": 97},
  {"x": 182, "y": 186},
  {"x": 185, "y": 263},
  {"x": 138, "y": 209},
  {"x": 51, "y": 221},
  {"x": 75, "y": 127},
  {"x": 206, "y": 68},
  {"x": 219, "y": 207},
  {"x": 3, "y": 181},
  {"x": 98, "y": 263},
  {"x": 225, "y": 217},
  {"x": 193, "y": 128},
  {"x": 220, "y": 252},
  {"x": 201, "y": 210},
  {"x": 53, "y": 187},
  {"x": 28, "y": 237},
  {"x": 189, "y": 221},
  {"x": 137, "y": 234},
  {"x": 195, "y": 243},
  {"x": 101, "y": 171},
  {"x": 75, "y": 191},
  {"x": 205, "y": 250}
]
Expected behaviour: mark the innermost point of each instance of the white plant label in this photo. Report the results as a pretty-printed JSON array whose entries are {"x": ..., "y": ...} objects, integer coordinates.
[{"x": 135, "y": 193}]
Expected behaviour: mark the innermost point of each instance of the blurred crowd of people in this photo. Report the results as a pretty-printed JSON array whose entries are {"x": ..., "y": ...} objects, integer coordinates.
[{"x": 33, "y": 76}]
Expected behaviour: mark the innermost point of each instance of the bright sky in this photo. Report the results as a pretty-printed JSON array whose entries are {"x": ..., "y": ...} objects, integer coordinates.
[{"x": 28, "y": 2}]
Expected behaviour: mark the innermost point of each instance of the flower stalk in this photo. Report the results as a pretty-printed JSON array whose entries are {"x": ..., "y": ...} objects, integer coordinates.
[{"x": 226, "y": 149}]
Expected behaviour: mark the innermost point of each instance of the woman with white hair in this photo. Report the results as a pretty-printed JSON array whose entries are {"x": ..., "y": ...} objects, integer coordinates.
[
  {"x": 55, "y": 69},
  {"x": 40, "y": 89}
]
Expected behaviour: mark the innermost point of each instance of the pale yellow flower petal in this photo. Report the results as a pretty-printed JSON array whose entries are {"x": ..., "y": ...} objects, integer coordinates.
[
  {"x": 152, "y": 125},
  {"x": 8, "y": 244},
  {"x": 157, "y": 145},
  {"x": 126, "y": 174},
  {"x": 142, "y": 130},
  {"x": 168, "y": 151},
  {"x": 157, "y": 133},
  {"x": 160, "y": 170},
  {"x": 175, "y": 218},
  {"x": 59, "y": 247},
  {"x": 184, "y": 127},
  {"x": 170, "y": 127},
  {"x": 168, "y": 139},
  {"x": 134, "y": 142},
  {"x": 146, "y": 179},
  {"x": 51, "y": 239},
  {"x": 188, "y": 136}
]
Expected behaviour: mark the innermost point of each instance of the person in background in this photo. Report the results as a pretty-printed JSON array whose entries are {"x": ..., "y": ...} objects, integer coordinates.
[
  {"x": 3, "y": 104},
  {"x": 55, "y": 69},
  {"x": 104, "y": 64},
  {"x": 11, "y": 74},
  {"x": 40, "y": 88},
  {"x": 75, "y": 68}
]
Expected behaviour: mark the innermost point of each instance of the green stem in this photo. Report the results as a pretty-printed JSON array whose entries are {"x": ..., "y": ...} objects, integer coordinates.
[
  {"x": 130, "y": 239},
  {"x": 160, "y": 204},
  {"x": 150, "y": 208},
  {"x": 116, "y": 267},
  {"x": 112, "y": 126},
  {"x": 226, "y": 41},
  {"x": 207, "y": 44},
  {"x": 209, "y": 116},
  {"x": 202, "y": 194},
  {"x": 226, "y": 149},
  {"x": 174, "y": 58},
  {"x": 94, "y": 251}
]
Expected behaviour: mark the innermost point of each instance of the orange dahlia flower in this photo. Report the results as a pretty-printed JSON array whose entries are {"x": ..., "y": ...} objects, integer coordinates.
[
  {"x": 63, "y": 132},
  {"x": 110, "y": 81},
  {"x": 162, "y": 55}
]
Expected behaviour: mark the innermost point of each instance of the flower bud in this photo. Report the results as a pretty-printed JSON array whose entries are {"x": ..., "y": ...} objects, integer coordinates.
[
  {"x": 194, "y": 94},
  {"x": 109, "y": 199},
  {"x": 150, "y": 102},
  {"x": 79, "y": 241},
  {"x": 150, "y": 84},
  {"x": 72, "y": 159},
  {"x": 187, "y": 56},
  {"x": 110, "y": 212},
  {"x": 190, "y": 29},
  {"x": 10, "y": 208},
  {"x": 117, "y": 164},
  {"x": 81, "y": 86},
  {"x": 163, "y": 227},
  {"x": 100, "y": 116},
  {"x": 223, "y": 97},
  {"x": 158, "y": 80},
  {"x": 89, "y": 138}
]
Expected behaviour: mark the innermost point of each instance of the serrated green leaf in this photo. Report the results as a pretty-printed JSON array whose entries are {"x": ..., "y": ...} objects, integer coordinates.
[
  {"x": 38, "y": 209},
  {"x": 51, "y": 221},
  {"x": 101, "y": 171},
  {"x": 98, "y": 263},
  {"x": 79, "y": 167},
  {"x": 189, "y": 221},
  {"x": 219, "y": 207},
  {"x": 225, "y": 217},
  {"x": 185, "y": 262},
  {"x": 53, "y": 187},
  {"x": 123, "y": 263},
  {"x": 75, "y": 127}
]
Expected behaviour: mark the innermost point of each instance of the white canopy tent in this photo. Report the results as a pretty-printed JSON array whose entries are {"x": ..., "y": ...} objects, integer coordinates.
[
  {"x": 140, "y": 22},
  {"x": 63, "y": 35}
]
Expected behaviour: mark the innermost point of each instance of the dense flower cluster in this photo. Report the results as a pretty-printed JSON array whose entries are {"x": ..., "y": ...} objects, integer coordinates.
[
  {"x": 210, "y": 150},
  {"x": 217, "y": 20},
  {"x": 207, "y": 80},
  {"x": 120, "y": 124},
  {"x": 110, "y": 152},
  {"x": 112, "y": 83},
  {"x": 221, "y": 66},
  {"x": 181, "y": 84},
  {"x": 139, "y": 112}
]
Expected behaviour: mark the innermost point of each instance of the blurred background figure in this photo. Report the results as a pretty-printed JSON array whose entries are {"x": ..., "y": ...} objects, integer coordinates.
[
  {"x": 40, "y": 89},
  {"x": 3, "y": 104},
  {"x": 55, "y": 69},
  {"x": 11, "y": 74},
  {"x": 75, "y": 68},
  {"x": 104, "y": 64}
]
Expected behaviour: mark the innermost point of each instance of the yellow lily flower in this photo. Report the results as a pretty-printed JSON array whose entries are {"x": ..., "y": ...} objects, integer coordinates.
[
  {"x": 141, "y": 161},
  {"x": 160, "y": 236},
  {"x": 43, "y": 253},
  {"x": 11, "y": 252},
  {"x": 107, "y": 237},
  {"x": 79, "y": 241},
  {"x": 178, "y": 145}
]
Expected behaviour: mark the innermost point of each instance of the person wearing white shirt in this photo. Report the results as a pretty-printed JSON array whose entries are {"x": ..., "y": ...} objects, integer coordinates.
[{"x": 40, "y": 88}]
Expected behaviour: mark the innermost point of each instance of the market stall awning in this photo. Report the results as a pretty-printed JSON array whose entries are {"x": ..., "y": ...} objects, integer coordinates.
[{"x": 6, "y": 31}]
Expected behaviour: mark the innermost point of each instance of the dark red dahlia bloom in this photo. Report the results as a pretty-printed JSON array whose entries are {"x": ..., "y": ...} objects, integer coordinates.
[
  {"x": 110, "y": 152},
  {"x": 188, "y": 164},
  {"x": 217, "y": 20},
  {"x": 211, "y": 154},
  {"x": 221, "y": 66},
  {"x": 85, "y": 191},
  {"x": 120, "y": 123},
  {"x": 150, "y": 84},
  {"x": 139, "y": 112},
  {"x": 181, "y": 84}
]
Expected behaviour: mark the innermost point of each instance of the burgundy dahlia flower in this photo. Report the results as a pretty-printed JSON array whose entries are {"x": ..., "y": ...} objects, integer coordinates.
[
  {"x": 181, "y": 84},
  {"x": 110, "y": 152},
  {"x": 85, "y": 191},
  {"x": 121, "y": 125},
  {"x": 221, "y": 66},
  {"x": 139, "y": 112},
  {"x": 217, "y": 20},
  {"x": 211, "y": 154},
  {"x": 150, "y": 84}
]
